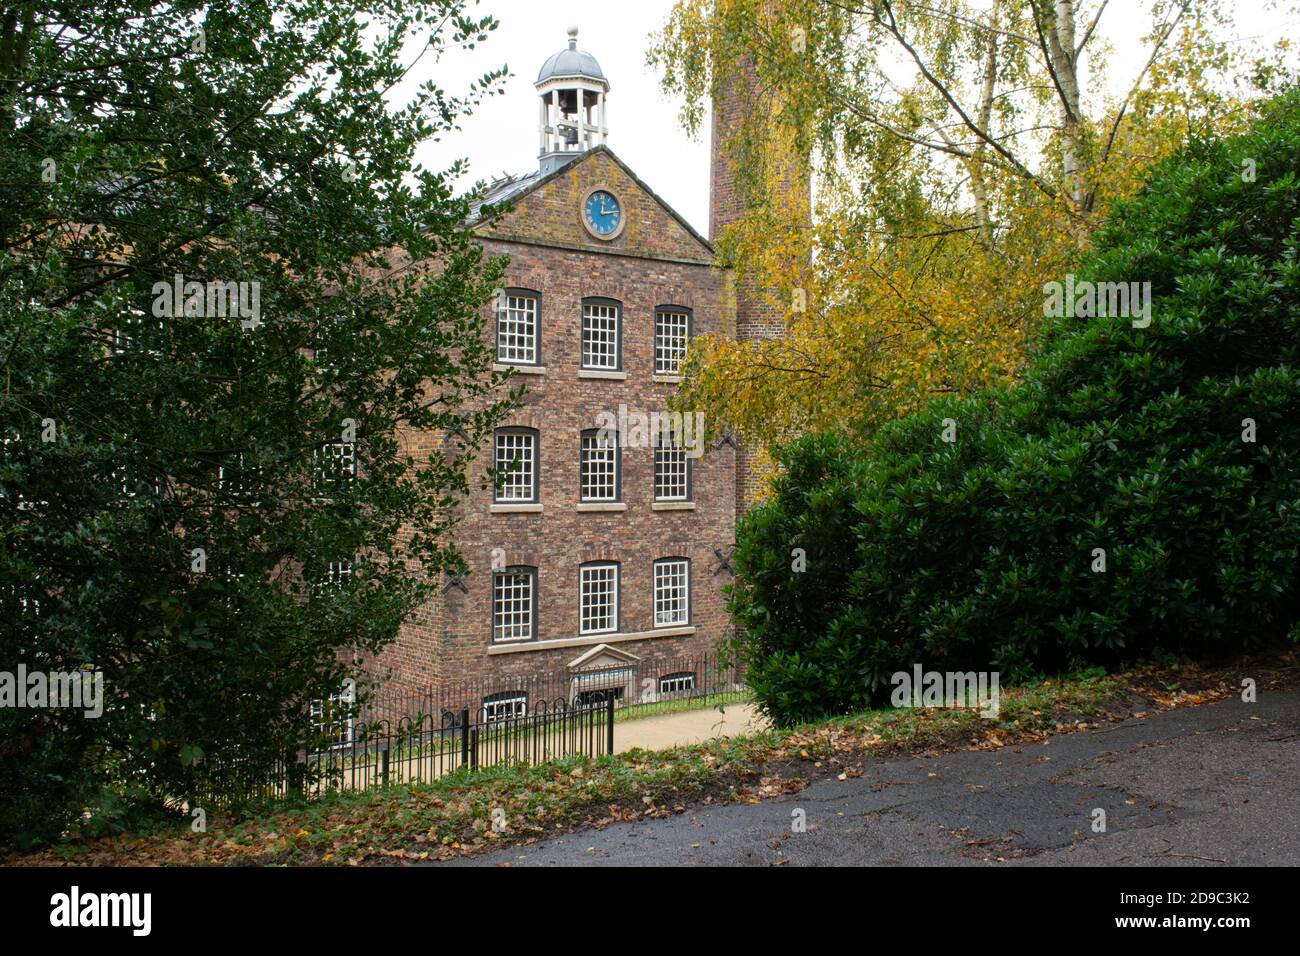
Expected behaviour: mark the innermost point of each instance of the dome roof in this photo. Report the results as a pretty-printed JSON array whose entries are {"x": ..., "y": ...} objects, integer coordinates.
[{"x": 571, "y": 62}]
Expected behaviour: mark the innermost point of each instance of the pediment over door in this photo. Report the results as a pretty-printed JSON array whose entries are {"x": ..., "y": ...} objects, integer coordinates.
[{"x": 603, "y": 656}]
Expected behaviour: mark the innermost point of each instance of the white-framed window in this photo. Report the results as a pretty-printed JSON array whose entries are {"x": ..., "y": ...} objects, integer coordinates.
[
  {"x": 672, "y": 332},
  {"x": 127, "y": 485},
  {"x": 672, "y": 469},
  {"x": 598, "y": 599},
  {"x": 26, "y": 601},
  {"x": 611, "y": 681},
  {"x": 122, "y": 483},
  {"x": 334, "y": 468},
  {"x": 338, "y": 574},
  {"x": 505, "y": 706},
  {"x": 600, "y": 335},
  {"x": 325, "y": 329},
  {"x": 672, "y": 580},
  {"x": 237, "y": 478},
  {"x": 598, "y": 465},
  {"x": 586, "y": 698},
  {"x": 677, "y": 683},
  {"x": 332, "y": 718},
  {"x": 514, "y": 604},
  {"x": 134, "y": 326},
  {"x": 234, "y": 588},
  {"x": 516, "y": 461},
  {"x": 517, "y": 327}
]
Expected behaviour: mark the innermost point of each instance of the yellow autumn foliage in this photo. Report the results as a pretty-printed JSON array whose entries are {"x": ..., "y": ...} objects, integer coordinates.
[{"x": 941, "y": 204}]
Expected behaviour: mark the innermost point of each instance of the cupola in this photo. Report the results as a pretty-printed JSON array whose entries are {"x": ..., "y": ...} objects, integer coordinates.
[{"x": 571, "y": 92}]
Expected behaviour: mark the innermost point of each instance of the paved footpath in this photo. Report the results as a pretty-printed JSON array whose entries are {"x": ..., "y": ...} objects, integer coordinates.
[
  {"x": 1213, "y": 785},
  {"x": 686, "y": 727}
]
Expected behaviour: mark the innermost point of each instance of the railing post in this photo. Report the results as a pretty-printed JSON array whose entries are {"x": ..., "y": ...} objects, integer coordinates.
[
  {"x": 464, "y": 736},
  {"x": 383, "y": 767},
  {"x": 609, "y": 704},
  {"x": 295, "y": 777},
  {"x": 473, "y": 749}
]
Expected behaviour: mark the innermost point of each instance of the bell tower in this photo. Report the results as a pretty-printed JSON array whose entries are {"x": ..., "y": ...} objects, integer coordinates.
[{"x": 571, "y": 92}]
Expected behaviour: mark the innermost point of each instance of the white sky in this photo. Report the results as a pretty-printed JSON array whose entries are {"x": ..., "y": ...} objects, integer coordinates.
[{"x": 501, "y": 136}]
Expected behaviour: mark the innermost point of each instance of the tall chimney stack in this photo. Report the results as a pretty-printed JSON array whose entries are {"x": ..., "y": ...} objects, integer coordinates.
[{"x": 756, "y": 317}]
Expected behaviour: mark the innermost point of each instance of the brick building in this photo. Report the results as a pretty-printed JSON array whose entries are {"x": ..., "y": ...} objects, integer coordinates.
[{"x": 604, "y": 544}]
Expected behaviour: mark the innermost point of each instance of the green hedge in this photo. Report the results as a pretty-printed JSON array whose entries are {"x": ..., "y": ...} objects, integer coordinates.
[{"x": 979, "y": 553}]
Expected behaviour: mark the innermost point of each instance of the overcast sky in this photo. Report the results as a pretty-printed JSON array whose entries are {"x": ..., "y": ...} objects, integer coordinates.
[{"x": 501, "y": 137}]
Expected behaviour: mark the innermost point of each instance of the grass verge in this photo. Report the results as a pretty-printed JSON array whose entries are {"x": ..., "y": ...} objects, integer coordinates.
[{"x": 454, "y": 815}]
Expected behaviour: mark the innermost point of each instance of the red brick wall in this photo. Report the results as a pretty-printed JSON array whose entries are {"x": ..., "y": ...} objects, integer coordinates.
[{"x": 655, "y": 261}]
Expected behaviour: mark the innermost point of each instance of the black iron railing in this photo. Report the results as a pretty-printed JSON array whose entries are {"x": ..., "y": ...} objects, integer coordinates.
[
  {"x": 396, "y": 737},
  {"x": 426, "y": 746},
  {"x": 648, "y": 686}
]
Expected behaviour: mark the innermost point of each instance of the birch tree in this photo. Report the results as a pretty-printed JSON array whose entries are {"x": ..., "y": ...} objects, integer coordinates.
[{"x": 961, "y": 152}]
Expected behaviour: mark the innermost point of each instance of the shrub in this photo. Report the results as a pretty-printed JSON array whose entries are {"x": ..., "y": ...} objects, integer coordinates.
[{"x": 980, "y": 553}]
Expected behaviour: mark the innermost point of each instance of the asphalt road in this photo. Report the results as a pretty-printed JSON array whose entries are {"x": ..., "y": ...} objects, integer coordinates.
[{"x": 1213, "y": 785}]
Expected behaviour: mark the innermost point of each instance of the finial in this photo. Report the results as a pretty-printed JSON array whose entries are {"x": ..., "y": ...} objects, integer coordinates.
[{"x": 573, "y": 38}]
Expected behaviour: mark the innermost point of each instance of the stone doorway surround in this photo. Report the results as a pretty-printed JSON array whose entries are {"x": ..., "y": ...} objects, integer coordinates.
[{"x": 604, "y": 667}]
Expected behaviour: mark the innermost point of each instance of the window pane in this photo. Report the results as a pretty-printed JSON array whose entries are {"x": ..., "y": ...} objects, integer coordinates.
[
  {"x": 334, "y": 468},
  {"x": 599, "y": 467},
  {"x": 599, "y": 604},
  {"x": 517, "y": 330},
  {"x": 338, "y": 574},
  {"x": 512, "y": 606},
  {"x": 677, "y": 683},
  {"x": 333, "y": 719},
  {"x": 516, "y": 459},
  {"x": 672, "y": 592},
  {"x": 670, "y": 342},
  {"x": 600, "y": 336},
  {"x": 505, "y": 706},
  {"x": 671, "y": 469},
  {"x": 237, "y": 478}
]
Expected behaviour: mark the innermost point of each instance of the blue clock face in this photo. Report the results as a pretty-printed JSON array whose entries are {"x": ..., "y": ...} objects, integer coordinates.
[{"x": 602, "y": 213}]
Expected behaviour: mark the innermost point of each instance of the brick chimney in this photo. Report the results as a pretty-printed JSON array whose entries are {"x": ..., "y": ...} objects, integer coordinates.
[{"x": 755, "y": 317}]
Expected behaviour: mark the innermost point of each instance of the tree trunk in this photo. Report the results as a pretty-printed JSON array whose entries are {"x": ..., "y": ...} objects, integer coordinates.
[
  {"x": 1064, "y": 64},
  {"x": 978, "y": 184}
]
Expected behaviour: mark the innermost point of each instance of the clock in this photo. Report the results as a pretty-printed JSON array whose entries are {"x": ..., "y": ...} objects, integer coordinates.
[{"x": 602, "y": 214}]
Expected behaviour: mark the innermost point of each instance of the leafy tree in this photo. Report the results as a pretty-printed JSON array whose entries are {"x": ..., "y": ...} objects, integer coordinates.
[
  {"x": 963, "y": 153},
  {"x": 1138, "y": 492},
  {"x": 223, "y": 500}
]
